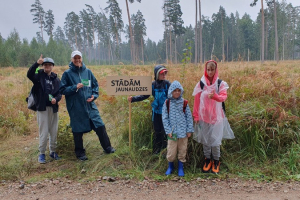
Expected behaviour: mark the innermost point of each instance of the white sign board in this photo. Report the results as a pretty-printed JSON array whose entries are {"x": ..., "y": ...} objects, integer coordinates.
[{"x": 129, "y": 85}]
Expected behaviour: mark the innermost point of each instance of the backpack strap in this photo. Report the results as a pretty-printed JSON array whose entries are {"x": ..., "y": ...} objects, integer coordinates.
[
  {"x": 201, "y": 85},
  {"x": 168, "y": 105},
  {"x": 185, "y": 103},
  {"x": 223, "y": 104}
]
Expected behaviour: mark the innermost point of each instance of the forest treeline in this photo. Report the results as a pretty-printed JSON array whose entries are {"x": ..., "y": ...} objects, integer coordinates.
[{"x": 99, "y": 35}]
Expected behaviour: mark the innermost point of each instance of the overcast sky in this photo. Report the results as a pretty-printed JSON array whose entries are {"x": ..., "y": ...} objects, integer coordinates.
[{"x": 16, "y": 13}]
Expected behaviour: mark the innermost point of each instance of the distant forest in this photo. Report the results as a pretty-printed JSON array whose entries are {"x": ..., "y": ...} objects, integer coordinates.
[{"x": 274, "y": 35}]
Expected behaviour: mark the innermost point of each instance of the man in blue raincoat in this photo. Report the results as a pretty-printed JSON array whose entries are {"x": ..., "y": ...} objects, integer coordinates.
[{"x": 80, "y": 88}]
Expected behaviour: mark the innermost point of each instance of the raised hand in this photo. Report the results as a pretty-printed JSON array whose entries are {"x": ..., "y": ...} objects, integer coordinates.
[{"x": 40, "y": 60}]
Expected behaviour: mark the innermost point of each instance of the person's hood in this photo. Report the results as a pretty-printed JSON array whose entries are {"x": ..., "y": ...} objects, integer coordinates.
[
  {"x": 174, "y": 86},
  {"x": 75, "y": 68},
  {"x": 216, "y": 74},
  {"x": 157, "y": 69}
]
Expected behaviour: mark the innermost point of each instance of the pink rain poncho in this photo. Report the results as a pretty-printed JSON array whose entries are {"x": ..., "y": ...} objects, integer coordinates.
[{"x": 213, "y": 124}]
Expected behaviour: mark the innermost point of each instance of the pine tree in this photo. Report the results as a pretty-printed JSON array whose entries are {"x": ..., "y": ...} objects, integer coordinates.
[
  {"x": 132, "y": 48},
  {"x": 49, "y": 25},
  {"x": 38, "y": 13},
  {"x": 116, "y": 22}
]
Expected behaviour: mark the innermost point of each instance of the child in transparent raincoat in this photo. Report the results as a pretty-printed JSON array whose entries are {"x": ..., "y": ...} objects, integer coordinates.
[{"x": 209, "y": 116}]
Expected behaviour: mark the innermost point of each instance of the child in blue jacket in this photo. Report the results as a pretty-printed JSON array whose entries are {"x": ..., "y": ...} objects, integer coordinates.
[
  {"x": 178, "y": 124},
  {"x": 160, "y": 88}
]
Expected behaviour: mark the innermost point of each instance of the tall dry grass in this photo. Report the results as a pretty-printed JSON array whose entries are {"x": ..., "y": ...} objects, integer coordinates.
[{"x": 262, "y": 108}]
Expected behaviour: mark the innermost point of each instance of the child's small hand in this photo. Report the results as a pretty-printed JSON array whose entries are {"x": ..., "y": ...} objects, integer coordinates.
[
  {"x": 196, "y": 121},
  {"x": 129, "y": 99},
  {"x": 170, "y": 135},
  {"x": 210, "y": 95},
  {"x": 189, "y": 135}
]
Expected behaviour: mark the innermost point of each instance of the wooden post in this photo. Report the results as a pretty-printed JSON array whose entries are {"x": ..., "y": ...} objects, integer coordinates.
[{"x": 129, "y": 124}]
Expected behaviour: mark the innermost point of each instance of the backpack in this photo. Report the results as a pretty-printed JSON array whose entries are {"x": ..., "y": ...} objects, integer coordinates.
[
  {"x": 30, "y": 100},
  {"x": 219, "y": 83},
  {"x": 185, "y": 102}
]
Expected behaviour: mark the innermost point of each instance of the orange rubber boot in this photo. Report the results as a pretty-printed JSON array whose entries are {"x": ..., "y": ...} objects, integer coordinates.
[
  {"x": 216, "y": 166},
  {"x": 207, "y": 165}
]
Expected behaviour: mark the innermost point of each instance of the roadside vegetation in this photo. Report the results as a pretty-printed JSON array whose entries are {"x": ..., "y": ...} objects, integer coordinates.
[{"x": 262, "y": 108}]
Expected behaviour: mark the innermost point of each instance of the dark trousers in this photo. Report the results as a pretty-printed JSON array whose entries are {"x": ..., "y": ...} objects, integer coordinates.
[
  {"x": 102, "y": 135},
  {"x": 159, "y": 137}
]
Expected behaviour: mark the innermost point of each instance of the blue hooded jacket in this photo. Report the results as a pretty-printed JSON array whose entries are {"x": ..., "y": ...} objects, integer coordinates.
[
  {"x": 80, "y": 111},
  {"x": 159, "y": 91},
  {"x": 177, "y": 121}
]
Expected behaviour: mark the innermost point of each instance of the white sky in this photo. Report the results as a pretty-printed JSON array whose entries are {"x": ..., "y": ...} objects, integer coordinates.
[{"x": 16, "y": 13}]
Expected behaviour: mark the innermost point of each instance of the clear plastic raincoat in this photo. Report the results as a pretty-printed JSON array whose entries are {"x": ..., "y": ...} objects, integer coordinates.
[{"x": 213, "y": 125}]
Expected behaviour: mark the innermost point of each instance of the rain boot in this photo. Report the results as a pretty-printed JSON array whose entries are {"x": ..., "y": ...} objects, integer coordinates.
[
  {"x": 170, "y": 168},
  {"x": 180, "y": 168}
]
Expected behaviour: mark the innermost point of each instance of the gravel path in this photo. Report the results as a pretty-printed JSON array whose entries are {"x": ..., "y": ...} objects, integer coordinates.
[{"x": 112, "y": 188}]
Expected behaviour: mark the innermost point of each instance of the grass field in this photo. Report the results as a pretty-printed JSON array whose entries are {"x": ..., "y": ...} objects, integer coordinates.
[{"x": 262, "y": 108}]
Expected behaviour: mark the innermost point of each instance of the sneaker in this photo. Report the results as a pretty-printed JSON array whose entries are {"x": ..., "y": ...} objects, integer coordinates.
[
  {"x": 82, "y": 158},
  {"x": 54, "y": 156},
  {"x": 207, "y": 165},
  {"x": 109, "y": 150},
  {"x": 42, "y": 159},
  {"x": 216, "y": 166}
]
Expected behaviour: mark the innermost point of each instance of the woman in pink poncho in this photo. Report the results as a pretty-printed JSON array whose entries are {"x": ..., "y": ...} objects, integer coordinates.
[{"x": 211, "y": 122}]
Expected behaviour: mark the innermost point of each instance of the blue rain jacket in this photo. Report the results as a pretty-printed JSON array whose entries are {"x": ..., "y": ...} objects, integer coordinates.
[
  {"x": 177, "y": 121},
  {"x": 80, "y": 111}
]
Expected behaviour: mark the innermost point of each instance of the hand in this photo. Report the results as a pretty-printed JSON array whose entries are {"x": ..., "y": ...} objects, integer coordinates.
[
  {"x": 90, "y": 99},
  {"x": 196, "y": 121},
  {"x": 53, "y": 101},
  {"x": 189, "y": 135},
  {"x": 170, "y": 135},
  {"x": 210, "y": 95},
  {"x": 40, "y": 60},
  {"x": 79, "y": 85},
  {"x": 129, "y": 99}
]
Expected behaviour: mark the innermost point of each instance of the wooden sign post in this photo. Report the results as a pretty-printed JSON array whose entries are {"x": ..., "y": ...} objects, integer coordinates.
[{"x": 129, "y": 85}]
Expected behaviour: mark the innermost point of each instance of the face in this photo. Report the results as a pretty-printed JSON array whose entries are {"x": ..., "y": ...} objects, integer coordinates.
[
  {"x": 162, "y": 76},
  {"x": 77, "y": 61},
  {"x": 210, "y": 70},
  {"x": 176, "y": 93},
  {"x": 47, "y": 67}
]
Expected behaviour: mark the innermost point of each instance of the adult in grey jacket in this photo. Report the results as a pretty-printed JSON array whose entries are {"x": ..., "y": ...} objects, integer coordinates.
[{"x": 80, "y": 88}]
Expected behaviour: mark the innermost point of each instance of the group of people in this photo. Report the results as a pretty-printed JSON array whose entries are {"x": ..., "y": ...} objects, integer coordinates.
[
  {"x": 171, "y": 114},
  {"x": 173, "y": 120},
  {"x": 80, "y": 88}
]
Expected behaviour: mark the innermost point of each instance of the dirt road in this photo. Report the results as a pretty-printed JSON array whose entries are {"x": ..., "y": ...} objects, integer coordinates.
[{"x": 111, "y": 188}]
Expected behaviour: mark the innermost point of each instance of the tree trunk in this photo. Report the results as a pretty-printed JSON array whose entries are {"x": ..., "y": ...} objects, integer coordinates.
[
  {"x": 223, "y": 43},
  {"x": 267, "y": 41},
  {"x": 132, "y": 50},
  {"x": 212, "y": 50},
  {"x": 262, "y": 32},
  {"x": 41, "y": 26},
  {"x": 276, "y": 35},
  {"x": 196, "y": 36},
  {"x": 200, "y": 32},
  {"x": 175, "y": 50},
  {"x": 142, "y": 44},
  {"x": 167, "y": 60},
  {"x": 170, "y": 33}
]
